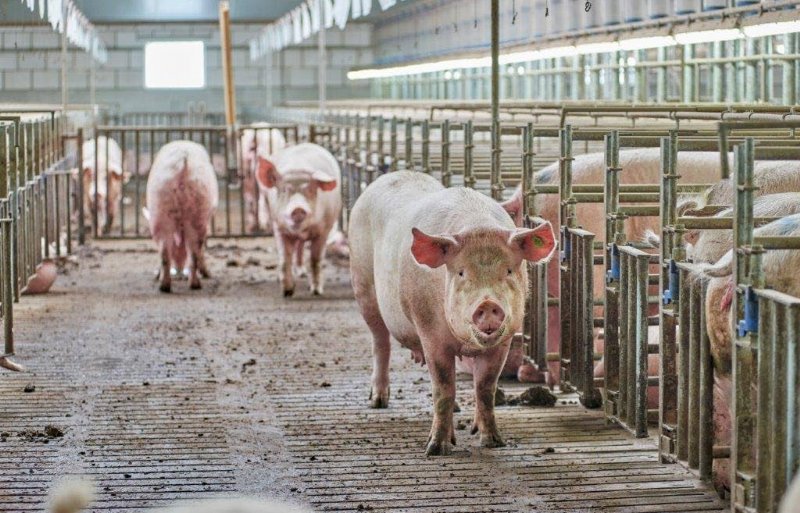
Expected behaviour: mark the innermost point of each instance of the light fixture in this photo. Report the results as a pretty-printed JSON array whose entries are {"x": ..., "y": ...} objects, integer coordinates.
[
  {"x": 708, "y": 36},
  {"x": 520, "y": 70},
  {"x": 457, "y": 75},
  {"x": 643, "y": 43},
  {"x": 610, "y": 46},
  {"x": 771, "y": 29},
  {"x": 640, "y": 43},
  {"x": 448, "y": 75}
]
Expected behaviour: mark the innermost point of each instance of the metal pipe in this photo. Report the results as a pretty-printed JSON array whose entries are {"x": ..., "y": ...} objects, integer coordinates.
[
  {"x": 495, "y": 29},
  {"x": 322, "y": 60}
]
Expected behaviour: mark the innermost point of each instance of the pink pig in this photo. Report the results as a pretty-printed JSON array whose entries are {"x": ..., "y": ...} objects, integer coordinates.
[
  {"x": 182, "y": 194},
  {"x": 301, "y": 184},
  {"x": 441, "y": 270}
]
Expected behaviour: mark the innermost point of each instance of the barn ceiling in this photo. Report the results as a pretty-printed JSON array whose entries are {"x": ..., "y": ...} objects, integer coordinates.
[{"x": 127, "y": 11}]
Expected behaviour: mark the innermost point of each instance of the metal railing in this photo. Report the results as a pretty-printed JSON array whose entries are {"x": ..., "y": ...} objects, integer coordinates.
[
  {"x": 234, "y": 165},
  {"x": 35, "y": 205}
]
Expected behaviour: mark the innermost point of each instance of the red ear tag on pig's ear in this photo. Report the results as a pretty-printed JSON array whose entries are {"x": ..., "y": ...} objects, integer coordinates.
[
  {"x": 534, "y": 244},
  {"x": 266, "y": 174},
  {"x": 432, "y": 250}
]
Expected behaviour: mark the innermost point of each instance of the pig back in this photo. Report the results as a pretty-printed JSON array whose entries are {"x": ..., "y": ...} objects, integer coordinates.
[{"x": 182, "y": 166}]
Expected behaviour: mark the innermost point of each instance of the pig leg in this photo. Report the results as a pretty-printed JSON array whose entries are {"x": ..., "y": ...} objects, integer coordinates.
[
  {"x": 285, "y": 248},
  {"x": 166, "y": 279},
  {"x": 317, "y": 254},
  {"x": 299, "y": 270},
  {"x": 202, "y": 267},
  {"x": 364, "y": 289},
  {"x": 487, "y": 371},
  {"x": 442, "y": 368},
  {"x": 194, "y": 279}
]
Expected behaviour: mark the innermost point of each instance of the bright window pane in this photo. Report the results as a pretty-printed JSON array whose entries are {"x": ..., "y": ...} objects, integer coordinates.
[{"x": 175, "y": 65}]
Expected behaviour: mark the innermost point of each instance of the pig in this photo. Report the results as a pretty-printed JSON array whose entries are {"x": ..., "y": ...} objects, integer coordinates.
[
  {"x": 182, "y": 195},
  {"x": 770, "y": 176},
  {"x": 441, "y": 270},
  {"x": 103, "y": 197},
  {"x": 708, "y": 246},
  {"x": 42, "y": 279},
  {"x": 301, "y": 184},
  {"x": 258, "y": 141},
  {"x": 719, "y": 319},
  {"x": 639, "y": 166}
]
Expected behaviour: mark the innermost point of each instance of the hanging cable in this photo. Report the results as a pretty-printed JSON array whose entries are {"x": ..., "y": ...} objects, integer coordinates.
[
  {"x": 513, "y": 12},
  {"x": 546, "y": 8},
  {"x": 475, "y": 8}
]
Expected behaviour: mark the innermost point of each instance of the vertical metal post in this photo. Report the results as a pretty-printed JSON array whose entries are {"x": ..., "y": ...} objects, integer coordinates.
[
  {"x": 750, "y": 74},
  {"x": 661, "y": 76},
  {"x": 744, "y": 421},
  {"x": 64, "y": 87},
  {"x": 790, "y": 70},
  {"x": 641, "y": 77},
  {"x": 322, "y": 59},
  {"x": 409, "y": 126},
  {"x": 269, "y": 82},
  {"x": 79, "y": 198},
  {"x": 469, "y": 178},
  {"x": 769, "y": 78},
  {"x": 426, "y": 145},
  {"x": 495, "y": 61},
  {"x": 393, "y": 143},
  {"x": 446, "y": 175},
  {"x": 687, "y": 54},
  {"x": 718, "y": 73},
  {"x": 616, "y": 70},
  {"x": 496, "y": 178}
]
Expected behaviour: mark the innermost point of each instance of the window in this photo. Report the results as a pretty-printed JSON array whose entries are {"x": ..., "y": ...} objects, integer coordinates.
[{"x": 174, "y": 65}]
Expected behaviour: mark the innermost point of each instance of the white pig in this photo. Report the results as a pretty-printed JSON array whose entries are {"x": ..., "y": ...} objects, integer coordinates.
[
  {"x": 182, "y": 195},
  {"x": 102, "y": 194},
  {"x": 258, "y": 141},
  {"x": 301, "y": 184},
  {"x": 441, "y": 270}
]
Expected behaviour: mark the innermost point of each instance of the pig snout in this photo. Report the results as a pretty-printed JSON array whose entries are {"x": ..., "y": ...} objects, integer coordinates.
[
  {"x": 298, "y": 215},
  {"x": 488, "y": 317}
]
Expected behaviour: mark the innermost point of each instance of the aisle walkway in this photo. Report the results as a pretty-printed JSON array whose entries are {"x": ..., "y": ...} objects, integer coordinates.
[{"x": 235, "y": 390}]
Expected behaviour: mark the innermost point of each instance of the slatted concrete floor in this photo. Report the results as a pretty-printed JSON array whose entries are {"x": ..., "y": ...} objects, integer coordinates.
[{"x": 235, "y": 391}]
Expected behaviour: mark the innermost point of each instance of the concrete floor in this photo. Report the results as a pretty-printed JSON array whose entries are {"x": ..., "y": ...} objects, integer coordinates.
[{"x": 233, "y": 390}]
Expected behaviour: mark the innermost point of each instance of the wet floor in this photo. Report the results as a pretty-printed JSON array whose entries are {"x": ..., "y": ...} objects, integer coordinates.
[{"x": 233, "y": 390}]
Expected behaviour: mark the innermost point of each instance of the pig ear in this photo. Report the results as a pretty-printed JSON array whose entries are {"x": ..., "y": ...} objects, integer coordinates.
[
  {"x": 534, "y": 244},
  {"x": 432, "y": 250},
  {"x": 514, "y": 208},
  {"x": 684, "y": 207},
  {"x": 266, "y": 173},
  {"x": 325, "y": 182}
]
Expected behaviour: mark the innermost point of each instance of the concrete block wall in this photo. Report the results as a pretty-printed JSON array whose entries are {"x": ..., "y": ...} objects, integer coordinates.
[{"x": 30, "y": 67}]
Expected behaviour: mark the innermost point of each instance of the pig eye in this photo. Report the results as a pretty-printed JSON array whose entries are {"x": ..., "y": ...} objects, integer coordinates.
[
  {"x": 461, "y": 273},
  {"x": 510, "y": 272}
]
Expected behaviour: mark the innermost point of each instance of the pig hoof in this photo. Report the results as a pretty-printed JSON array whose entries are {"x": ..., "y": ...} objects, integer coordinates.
[
  {"x": 456, "y": 407},
  {"x": 165, "y": 288},
  {"x": 439, "y": 448},
  {"x": 195, "y": 285},
  {"x": 378, "y": 400},
  {"x": 204, "y": 273},
  {"x": 316, "y": 292},
  {"x": 492, "y": 440},
  {"x": 288, "y": 292}
]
